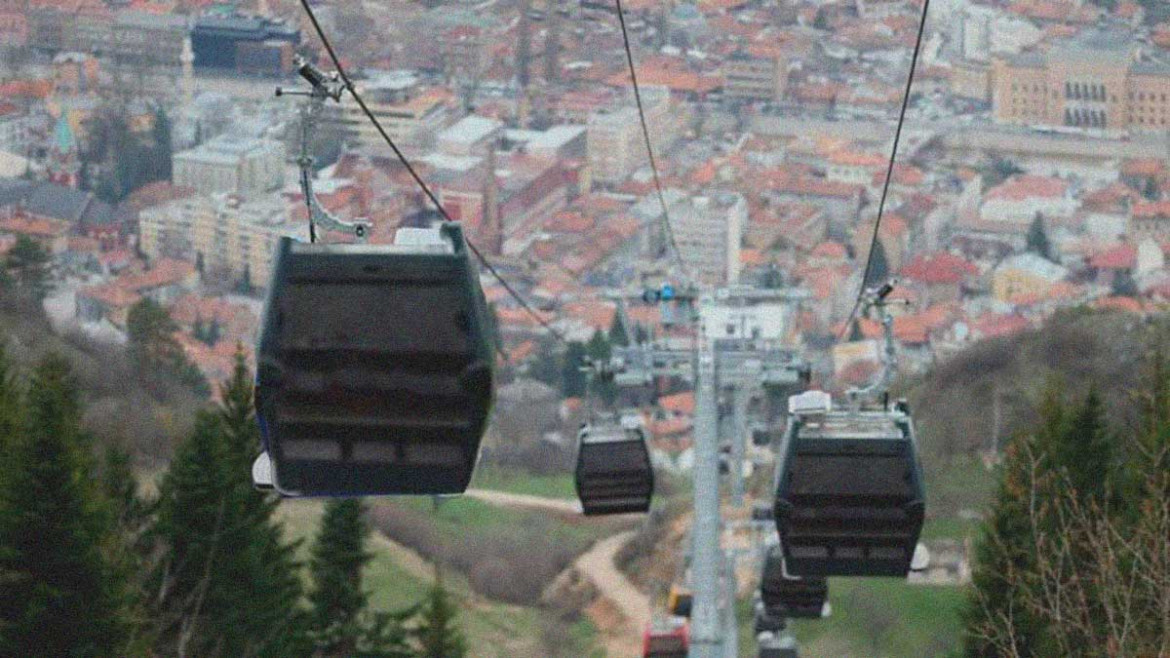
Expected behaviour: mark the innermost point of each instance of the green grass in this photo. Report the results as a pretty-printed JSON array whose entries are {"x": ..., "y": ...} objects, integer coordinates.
[
  {"x": 886, "y": 617},
  {"x": 950, "y": 528},
  {"x": 456, "y": 518},
  {"x": 962, "y": 484},
  {"x": 518, "y": 482},
  {"x": 493, "y": 630}
]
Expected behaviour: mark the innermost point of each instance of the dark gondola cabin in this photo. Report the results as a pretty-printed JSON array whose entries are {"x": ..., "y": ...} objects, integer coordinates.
[
  {"x": 375, "y": 367},
  {"x": 766, "y": 620},
  {"x": 790, "y": 596},
  {"x": 849, "y": 492},
  {"x": 614, "y": 474}
]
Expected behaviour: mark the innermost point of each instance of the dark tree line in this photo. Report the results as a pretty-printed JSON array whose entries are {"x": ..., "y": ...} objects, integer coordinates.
[
  {"x": 92, "y": 567},
  {"x": 116, "y": 161}
]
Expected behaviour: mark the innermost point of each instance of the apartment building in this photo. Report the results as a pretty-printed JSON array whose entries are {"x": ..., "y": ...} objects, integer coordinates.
[
  {"x": 614, "y": 141},
  {"x": 755, "y": 79},
  {"x": 221, "y": 233},
  {"x": 410, "y": 113},
  {"x": 709, "y": 231}
]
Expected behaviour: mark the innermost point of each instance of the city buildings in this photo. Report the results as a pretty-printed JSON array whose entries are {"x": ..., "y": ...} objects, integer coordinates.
[
  {"x": 245, "y": 166},
  {"x": 222, "y": 234},
  {"x": 411, "y": 113},
  {"x": 247, "y": 44},
  {"x": 614, "y": 139},
  {"x": 709, "y": 231},
  {"x": 1100, "y": 80},
  {"x": 755, "y": 79}
]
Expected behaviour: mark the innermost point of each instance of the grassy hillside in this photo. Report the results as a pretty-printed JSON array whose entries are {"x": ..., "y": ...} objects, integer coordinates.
[{"x": 397, "y": 578}]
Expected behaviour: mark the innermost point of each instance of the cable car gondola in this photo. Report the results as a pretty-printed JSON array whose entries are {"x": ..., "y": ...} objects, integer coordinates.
[
  {"x": 614, "y": 474},
  {"x": 777, "y": 646},
  {"x": 679, "y": 601},
  {"x": 791, "y": 596},
  {"x": 374, "y": 367},
  {"x": 849, "y": 494},
  {"x": 765, "y": 619},
  {"x": 666, "y": 639}
]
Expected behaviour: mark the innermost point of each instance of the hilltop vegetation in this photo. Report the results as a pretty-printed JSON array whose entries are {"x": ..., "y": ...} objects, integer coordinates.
[{"x": 955, "y": 403}]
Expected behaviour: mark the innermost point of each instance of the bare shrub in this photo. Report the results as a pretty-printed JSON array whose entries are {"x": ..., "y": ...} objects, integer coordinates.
[{"x": 512, "y": 564}]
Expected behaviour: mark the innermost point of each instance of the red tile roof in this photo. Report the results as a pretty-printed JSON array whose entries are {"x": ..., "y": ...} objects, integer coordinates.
[
  {"x": 1120, "y": 257},
  {"x": 1021, "y": 187},
  {"x": 942, "y": 267}
]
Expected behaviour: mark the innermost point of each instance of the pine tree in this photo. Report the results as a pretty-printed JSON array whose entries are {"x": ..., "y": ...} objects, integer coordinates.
[
  {"x": 879, "y": 270},
  {"x": 229, "y": 581},
  {"x": 60, "y": 595},
  {"x": 341, "y": 624},
  {"x": 269, "y": 608},
  {"x": 161, "y": 154},
  {"x": 1037, "y": 240},
  {"x": 617, "y": 332},
  {"x": 438, "y": 636},
  {"x": 572, "y": 379},
  {"x": 155, "y": 352},
  {"x": 1084, "y": 453},
  {"x": 1124, "y": 285},
  {"x": 1003, "y": 559},
  {"x": 337, "y": 599},
  {"x": 130, "y": 550},
  {"x": 28, "y": 264}
]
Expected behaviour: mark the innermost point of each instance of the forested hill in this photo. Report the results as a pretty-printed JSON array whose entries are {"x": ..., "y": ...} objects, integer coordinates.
[
  {"x": 137, "y": 406},
  {"x": 956, "y": 403}
]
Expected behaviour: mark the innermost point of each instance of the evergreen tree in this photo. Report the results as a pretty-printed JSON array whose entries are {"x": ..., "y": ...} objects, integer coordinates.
[
  {"x": 29, "y": 266},
  {"x": 1037, "y": 240},
  {"x": 229, "y": 581},
  {"x": 1124, "y": 285},
  {"x": 1084, "y": 452},
  {"x": 617, "y": 332},
  {"x": 11, "y": 404},
  {"x": 438, "y": 636},
  {"x": 337, "y": 599},
  {"x": 600, "y": 351},
  {"x": 572, "y": 379},
  {"x": 153, "y": 350},
  {"x": 341, "y": 624},
  {"x": 161, "y": 154},
  {"x": 1004, "y": 556},
  {"x": 130, "y": 552},
  {"x": 274, "y": 586},
  {"x": 640, "y": 334},
  {"x": 60, "y": 595},
  {"x": 879, "y": 270},
  {"x": 1001, "y": 170}
]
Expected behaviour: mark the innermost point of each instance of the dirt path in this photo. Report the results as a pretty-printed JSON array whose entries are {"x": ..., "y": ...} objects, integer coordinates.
[
  {"x": 624, "y": 637},
  {"x": 504, "y": 499},
  {"x": 622, "y": 611}
]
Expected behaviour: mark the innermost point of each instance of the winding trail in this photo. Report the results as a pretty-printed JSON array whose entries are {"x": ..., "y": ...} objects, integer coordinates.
[
  {"x": 505, "y": 499},
  {"x": 623, "y": 637}
]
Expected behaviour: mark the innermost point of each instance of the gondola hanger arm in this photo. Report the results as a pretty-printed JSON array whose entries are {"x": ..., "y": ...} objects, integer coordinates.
[{"x": 324, "y": 86}]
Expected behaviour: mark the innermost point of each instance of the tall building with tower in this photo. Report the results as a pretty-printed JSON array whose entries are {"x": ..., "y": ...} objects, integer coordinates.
[{"x": 1100, "y": 80}]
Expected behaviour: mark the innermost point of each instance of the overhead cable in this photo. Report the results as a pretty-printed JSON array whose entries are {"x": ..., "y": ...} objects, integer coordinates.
[
  {"x": 667, "y": 229},
  {"x": 345, "y": 79},
  {"x": 873, "y": 243}
]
